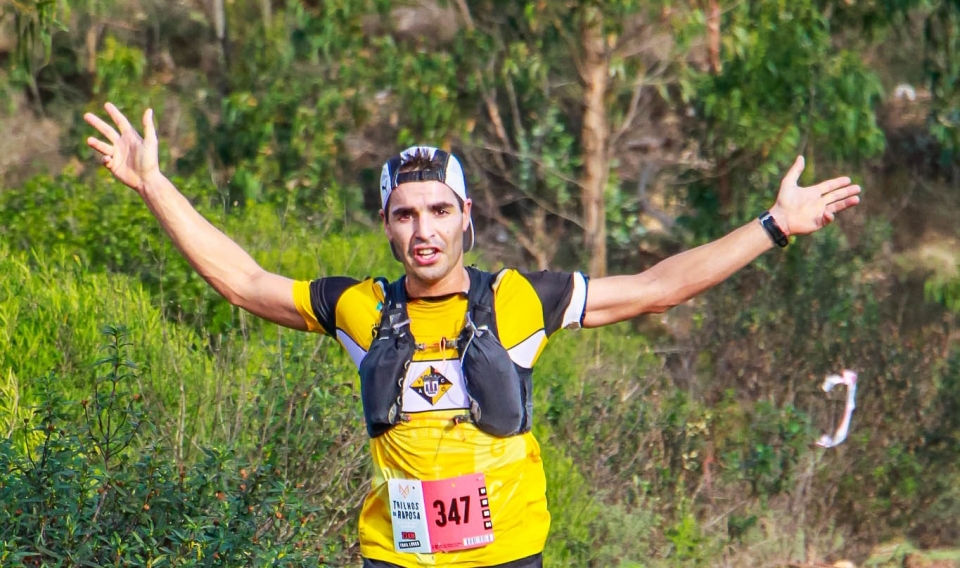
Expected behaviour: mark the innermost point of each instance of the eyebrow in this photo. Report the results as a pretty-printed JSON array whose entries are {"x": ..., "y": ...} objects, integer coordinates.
[{"x": 398, "y": 211}]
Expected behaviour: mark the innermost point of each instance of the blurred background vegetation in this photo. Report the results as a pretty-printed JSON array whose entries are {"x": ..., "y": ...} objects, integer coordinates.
[{"x": 147, "y": 422}]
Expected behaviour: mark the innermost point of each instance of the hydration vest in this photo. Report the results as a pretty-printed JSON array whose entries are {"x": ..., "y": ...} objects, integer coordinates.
[{"x": 499, "y": 391}]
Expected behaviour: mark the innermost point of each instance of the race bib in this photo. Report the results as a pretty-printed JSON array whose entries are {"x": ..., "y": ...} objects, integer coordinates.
[{"x": 440, "y": 516}]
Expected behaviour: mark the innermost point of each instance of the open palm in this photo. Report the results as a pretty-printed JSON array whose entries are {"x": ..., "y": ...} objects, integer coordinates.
[
  {"x": 803, "y": 210},
  {"x": 129, "y": 157}
]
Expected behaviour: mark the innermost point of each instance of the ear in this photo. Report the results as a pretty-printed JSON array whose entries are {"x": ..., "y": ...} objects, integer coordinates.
[
  {"x": 467, "y": 211},
  {"x": 386, "y": 231}
]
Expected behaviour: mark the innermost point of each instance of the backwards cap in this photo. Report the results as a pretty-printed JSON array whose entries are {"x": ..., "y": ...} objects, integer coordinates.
[{"x": 450, "y": 173}]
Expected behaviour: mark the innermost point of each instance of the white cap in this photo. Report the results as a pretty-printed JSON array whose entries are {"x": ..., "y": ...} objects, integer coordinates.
[{"x": 450, "y": 174}]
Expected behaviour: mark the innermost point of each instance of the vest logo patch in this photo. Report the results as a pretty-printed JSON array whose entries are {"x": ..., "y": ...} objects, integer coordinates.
[{"x": 431, "y": 385}]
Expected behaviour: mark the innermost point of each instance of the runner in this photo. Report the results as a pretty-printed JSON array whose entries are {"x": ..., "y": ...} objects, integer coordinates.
[{"x": 446, "y": 377}]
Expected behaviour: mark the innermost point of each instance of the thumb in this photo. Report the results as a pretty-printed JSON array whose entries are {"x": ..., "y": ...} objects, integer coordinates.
[
  {"x": 149, "y": 130},
  {"x": 793, "y": 174}
]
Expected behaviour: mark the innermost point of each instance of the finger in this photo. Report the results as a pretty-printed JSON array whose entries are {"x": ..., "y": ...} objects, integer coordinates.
[
  {"x": 102, "y": 127},
  {"x": 100, "y": 146},
  {"x": 838, "y": 206},
  {"x": 118, "y": 118},
  {"x": 841, "y": 193},
  {"x": 149, "y": 129},
  {"x": 793, "y": 174},
  {"x": 831, "y": 185}
]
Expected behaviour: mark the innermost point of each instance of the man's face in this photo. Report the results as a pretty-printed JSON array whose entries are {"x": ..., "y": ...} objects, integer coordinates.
[{"x": 425, "y": 226}]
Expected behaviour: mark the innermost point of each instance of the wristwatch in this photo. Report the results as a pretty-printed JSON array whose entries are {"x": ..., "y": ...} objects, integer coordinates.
[{"x": 773, "y": 230}]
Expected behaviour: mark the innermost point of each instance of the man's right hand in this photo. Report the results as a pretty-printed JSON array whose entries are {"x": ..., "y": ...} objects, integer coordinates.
[{"x": 132, "y": 159}]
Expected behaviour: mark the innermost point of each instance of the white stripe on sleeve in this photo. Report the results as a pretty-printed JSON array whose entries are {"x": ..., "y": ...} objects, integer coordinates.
[{"x": 578, "y": 303}]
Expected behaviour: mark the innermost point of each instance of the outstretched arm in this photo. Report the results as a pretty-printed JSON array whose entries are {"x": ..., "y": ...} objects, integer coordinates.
[
  {"x": 798, "y": 211},
  {"x": 221, "y": 262}
]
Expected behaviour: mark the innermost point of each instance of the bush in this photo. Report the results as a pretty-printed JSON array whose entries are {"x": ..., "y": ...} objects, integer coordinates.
[
  {"x": 52, "y": 311},
  {"x": 81, "y": 496},
  {"x": 107, "y": 227}
]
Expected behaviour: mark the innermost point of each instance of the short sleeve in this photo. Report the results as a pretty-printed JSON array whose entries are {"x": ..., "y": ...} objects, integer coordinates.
[
  {"x": 563, "y": 296},
  {"x": 317, "y": 301}
]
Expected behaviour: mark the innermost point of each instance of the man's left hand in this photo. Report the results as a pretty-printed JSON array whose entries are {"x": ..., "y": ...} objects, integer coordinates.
[{"x": 803, "y": 210}]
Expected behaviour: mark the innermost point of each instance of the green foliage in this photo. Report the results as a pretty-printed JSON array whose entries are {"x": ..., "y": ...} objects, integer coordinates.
[
  {"x": 689, "y": 544},
  {"x": 592, "y": 389},
  {"x": 34, "y": 22},
  {"x": 293, "y": 94},
  {"x": 762, "y": 448},
  {"x": 138, "y": 507},
  {"x": 122, "y": 78},
  {"x": 659, "y": 450},
  {"x": 108, "y": 228},
  {"x": 945, "y": 291},
  {"x": 572, "y": 509},
  {"x": 622, "y": 535},
  {"x": 110, "y": 427},
  {"x": 943, "y": 69},
  {"x": 51, "y": 315},
  {"x": 778, "y": 65},
  {"x": 783, "y": 89},
  {"x": 778, "y": 330}
]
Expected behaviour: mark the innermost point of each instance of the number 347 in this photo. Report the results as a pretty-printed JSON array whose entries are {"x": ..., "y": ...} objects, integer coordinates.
[{"x": 452, "y": 515}]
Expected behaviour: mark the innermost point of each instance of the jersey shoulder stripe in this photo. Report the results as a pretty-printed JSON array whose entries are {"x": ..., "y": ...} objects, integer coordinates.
[
  {"x": 324, "y": 302},
  {"x": 562, "y": 296}
]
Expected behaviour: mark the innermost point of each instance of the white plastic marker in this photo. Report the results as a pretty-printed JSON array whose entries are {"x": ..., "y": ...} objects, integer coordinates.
[{"x": 849, "y": 379}]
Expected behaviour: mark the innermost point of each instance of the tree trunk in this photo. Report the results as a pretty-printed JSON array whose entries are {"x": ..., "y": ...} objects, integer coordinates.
[
  {"x": 595, "y": 136},
  {"x": 266, "y": 11},
  {"x": 713, "y": 32},
  {"x": 220, "y": 28},
  {"x": 724, "y": 191},
  {"x": 90, "y": 41}
]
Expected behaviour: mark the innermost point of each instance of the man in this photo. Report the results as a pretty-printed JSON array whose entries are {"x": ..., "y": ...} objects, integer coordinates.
[{"x": 445, "y": 378}]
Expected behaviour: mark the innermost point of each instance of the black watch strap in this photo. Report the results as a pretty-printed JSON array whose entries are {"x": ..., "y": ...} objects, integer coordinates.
[{"x": 773, "y": 230}]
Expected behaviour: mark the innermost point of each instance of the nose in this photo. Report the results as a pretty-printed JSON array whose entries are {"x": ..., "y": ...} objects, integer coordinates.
[{"x": 424, "y": 228}]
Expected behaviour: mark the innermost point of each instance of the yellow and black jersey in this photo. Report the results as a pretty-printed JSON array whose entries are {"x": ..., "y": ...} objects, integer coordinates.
[{"x": 529, "y": 308}]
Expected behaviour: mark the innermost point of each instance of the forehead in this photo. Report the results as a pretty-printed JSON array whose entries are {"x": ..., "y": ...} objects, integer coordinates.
[{"x": 421, "y": 193}]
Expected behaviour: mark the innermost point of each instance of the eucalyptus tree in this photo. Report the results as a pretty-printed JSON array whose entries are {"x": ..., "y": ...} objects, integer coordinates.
[
  {"x": 545, "y": 94},
  {"x": 783, "y": 85},
  {"x": 926, "y": 34},
  {"x": 554, "y": 104},
  {"x": 572, "y": 81}
]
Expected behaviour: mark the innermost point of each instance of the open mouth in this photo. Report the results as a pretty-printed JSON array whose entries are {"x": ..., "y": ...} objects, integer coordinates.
[{"x": 426, "y": 255}]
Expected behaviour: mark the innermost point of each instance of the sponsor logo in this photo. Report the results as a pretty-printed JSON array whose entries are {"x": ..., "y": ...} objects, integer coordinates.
[
  {"x": 404, "y": 544},
  {"x": 406, "y": 535},
  {"x": 431, "y": 385}
]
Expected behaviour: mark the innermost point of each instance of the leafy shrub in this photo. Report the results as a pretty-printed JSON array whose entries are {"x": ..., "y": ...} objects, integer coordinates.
[
  {"x": 713, "y": 436},
  {"x": 51, "y": 315},
  {"x": 82, "y": 497},
  {"x": 774, "y": 332},
  {"x": 110, "y": 229}
]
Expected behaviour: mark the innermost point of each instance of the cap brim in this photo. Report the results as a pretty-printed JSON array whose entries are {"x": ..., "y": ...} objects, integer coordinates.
[{"x": 469, "y": 237}]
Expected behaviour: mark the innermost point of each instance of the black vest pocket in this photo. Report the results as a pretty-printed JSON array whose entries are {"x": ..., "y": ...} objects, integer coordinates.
[
  {"x": 493, "y": 385},
  {"x": 381, "y": 382}
]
